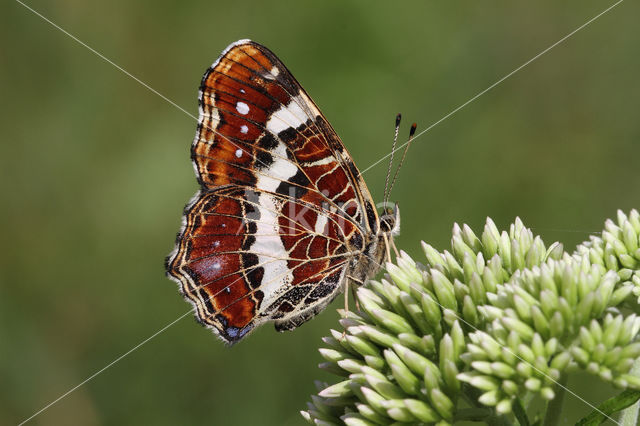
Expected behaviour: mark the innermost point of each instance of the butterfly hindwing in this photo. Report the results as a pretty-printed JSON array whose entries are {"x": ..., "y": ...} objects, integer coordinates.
[{"x": 240, "y": 262}]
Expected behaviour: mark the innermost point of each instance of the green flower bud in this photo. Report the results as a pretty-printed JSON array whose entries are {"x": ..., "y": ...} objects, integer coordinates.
[
  {"x": 630, "y": 237},
  {"x": 370, "y": 414},
  {"x": 469, "y": 312},
  {"x": 599, "y": 353},
  {"x": 374, "y": 399},
  {"x": 449, "y": 374},
  {"x": 510, "y": 387},
  {"x": 405, "y": 378},
  {"x": 490, "y": 398},
  {"x": 470, "y": 238},
  {"x": 401, "y": 414},
  {"x": 490, "y": 239},
  {"x": 459, "y": 246},
  {"x": 524, "y": 369},
  {"x": 477, "y": 289},
  {"x": 374, "y": 361},
  {"x": 537, "y": 346},
  {"x": 501, "y": 370},
  {"x": 414, "y": 342},
  {"x": 380, "y": 337},
  {"x": 633, "y": 381},
  {"x": 613, "y": 356},
  {"x": 443, "y": 405},
  {"x": 369, "y": 300},
  {"x": 547, "y": 393},
  {"x": 414, "y": 361},
  {"x": 432, "y": 376},
  {"x": 409, "y": 267},
  {"x": 421, "y": 410},
  {"x": 399, "y": 277},
  {"x": 444, "y": 290},
  {"x": 504, "y": 406},
  {"x": 433, "y": 256},
  {"x": 414, "y": 309},
  {"x": 353, "y": 419},
  {"x": 394, "y": 322},
  {"x": 580, "y": 355},
  {"x": 623, "y": 365},
  {"x": 333, "y": 355},
  {"x": 634, "y": 220},
  {"x": 612, "y": 331},
  {"x": 447, "y": 350},
  {"x": 631, "y": 351},
  {"x": 431, "y": 310},
  {"x": 340, "y": 389},
  {"x": 525, "y": 332},
  {"x": 620, "y": 294},
  {"x": 540, "y": 323},
  {"x": 555, "y": 251},
  {"x": 556, "y": 325},
  {"x": 561, "y": 361},
  {"x": 583, "y": 310},
  {"x": 489, "y": 279},
  {"x": 351, "y": 365},
  {"x": 384, "y": 387}
]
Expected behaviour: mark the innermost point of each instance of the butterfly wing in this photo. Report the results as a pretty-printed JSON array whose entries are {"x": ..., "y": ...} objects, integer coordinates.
[{"x": 281, "y": 212}]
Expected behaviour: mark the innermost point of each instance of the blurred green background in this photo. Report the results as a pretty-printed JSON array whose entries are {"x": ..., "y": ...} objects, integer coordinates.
[{"x": 95, "y": 170}]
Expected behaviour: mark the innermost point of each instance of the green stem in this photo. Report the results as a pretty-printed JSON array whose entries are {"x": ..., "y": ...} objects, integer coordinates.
[
  {"x": 554, "y": 408},
  {"x": 629, "y": 416}
]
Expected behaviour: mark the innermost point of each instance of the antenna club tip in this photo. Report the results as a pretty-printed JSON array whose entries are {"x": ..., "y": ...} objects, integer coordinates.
[
  {"x": 413, "y": 129},
  {"x": 398, "y": 118}
]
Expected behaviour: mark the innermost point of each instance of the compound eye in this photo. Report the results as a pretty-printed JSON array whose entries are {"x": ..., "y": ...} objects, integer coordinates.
[{"x": 386, "y": 222}]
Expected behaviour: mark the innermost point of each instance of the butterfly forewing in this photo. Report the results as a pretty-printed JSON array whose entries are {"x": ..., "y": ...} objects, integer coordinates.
[{"x": 281, "y": 212}]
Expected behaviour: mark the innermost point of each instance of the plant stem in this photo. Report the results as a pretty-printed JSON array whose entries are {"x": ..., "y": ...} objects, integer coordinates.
[
  {"x": 629, "y": 416},
  {"x": 554, "y": 408}
]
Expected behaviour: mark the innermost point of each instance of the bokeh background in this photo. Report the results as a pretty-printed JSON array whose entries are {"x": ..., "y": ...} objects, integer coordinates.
[{"x": 95, "y": 170}]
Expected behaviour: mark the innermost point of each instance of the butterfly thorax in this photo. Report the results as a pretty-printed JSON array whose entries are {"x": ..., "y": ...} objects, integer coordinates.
[{"x": 375, "y": 252}]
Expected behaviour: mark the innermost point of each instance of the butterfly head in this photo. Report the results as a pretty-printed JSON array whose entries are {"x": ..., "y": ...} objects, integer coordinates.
[{"x": 390, "y": 221}]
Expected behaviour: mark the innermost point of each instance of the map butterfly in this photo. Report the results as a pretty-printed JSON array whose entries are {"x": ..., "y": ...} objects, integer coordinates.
[{"x": 282, "y": 221}]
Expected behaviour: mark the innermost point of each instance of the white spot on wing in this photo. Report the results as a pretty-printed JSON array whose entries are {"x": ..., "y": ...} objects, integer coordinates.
[
  {"x": 291, "y": 115},
  {"x": 242, "y": 108},
  {"x": 270, "y": 250},
  {"x": 321, "y": 223},
  {"x": 238, "y": 153},
  {"x": 280, "y": 170},
  {"x": 244, "y": 129},
  {"x": 275, "y": 71},
  {"x": 216, "y": 265}
]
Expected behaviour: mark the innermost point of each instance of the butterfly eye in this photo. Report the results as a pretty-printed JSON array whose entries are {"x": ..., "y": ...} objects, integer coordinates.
[{"x": 387, "y": 221}]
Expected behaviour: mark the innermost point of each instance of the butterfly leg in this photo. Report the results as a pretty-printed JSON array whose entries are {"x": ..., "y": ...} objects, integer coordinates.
[
  {"x": 353, "y": 293},
  {"x": 346, "y": 307},
  {"x": 393, "y": 244},
  {"x": 386, "y": 246},
  {"x": 353, "y": 290}
]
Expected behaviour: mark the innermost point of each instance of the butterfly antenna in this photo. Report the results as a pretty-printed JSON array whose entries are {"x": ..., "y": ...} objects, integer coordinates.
[
  {"x": 404, "y": 155},
  {"x": 385, "y": 198}
]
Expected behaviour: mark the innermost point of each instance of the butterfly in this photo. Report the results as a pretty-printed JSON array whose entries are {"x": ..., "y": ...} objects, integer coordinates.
[{"x": 282, "y": 221}]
